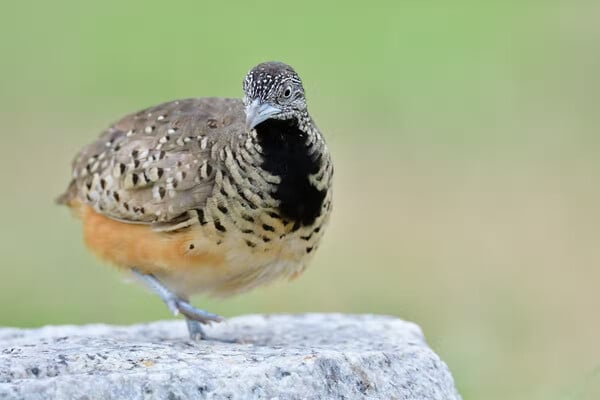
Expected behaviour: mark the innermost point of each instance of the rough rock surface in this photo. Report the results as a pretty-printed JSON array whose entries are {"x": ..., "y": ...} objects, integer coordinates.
[{"x": 312, "y": 356}]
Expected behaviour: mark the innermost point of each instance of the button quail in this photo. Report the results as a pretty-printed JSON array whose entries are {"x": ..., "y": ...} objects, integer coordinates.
[{"x": 208, "y": 195}]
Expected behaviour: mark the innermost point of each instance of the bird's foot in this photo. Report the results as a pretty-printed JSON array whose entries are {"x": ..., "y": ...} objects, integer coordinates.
[
  {"x": 176, "y": 305},
  {"x": 192, "y": 313}
]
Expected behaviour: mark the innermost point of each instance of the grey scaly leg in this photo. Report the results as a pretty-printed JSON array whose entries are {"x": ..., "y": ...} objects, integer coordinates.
[
  {"x": 176, "y": 304},
  {"x": 195, "y": 329}
]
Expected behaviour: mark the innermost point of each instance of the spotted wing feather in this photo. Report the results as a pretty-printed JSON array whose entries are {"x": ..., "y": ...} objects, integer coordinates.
[{"x": 156, "y": 165}]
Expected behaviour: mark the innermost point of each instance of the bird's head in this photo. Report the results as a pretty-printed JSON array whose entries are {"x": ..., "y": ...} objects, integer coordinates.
[{"x": 273, "y": 90}]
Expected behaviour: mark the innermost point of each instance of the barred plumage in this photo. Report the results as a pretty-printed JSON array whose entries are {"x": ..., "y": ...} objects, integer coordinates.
[{"x": 246, "y": 181}]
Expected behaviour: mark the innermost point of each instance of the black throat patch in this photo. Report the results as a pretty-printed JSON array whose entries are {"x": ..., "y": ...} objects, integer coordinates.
[{"x": 285, "y": 153}]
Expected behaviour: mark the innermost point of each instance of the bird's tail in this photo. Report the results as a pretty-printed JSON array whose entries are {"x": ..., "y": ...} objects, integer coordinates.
[{"x": 67, "y": 197}]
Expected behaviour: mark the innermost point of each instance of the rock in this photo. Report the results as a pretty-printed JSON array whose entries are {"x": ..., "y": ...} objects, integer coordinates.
[{"x": 316, "y": 356}]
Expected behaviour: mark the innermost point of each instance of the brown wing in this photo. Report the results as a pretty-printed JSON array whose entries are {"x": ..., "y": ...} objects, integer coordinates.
[{"x": 157, "y": 164}]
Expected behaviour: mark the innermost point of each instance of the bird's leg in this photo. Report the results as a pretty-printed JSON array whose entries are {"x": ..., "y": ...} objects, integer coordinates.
[
  {"x": 155, "y": 286},
  {"x": 195, "y": 329},
  {"x": 177, "y": 304}
]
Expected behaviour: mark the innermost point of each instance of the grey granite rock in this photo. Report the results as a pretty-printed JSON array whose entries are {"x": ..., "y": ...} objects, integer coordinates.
[{"x": 312, "y": 356}]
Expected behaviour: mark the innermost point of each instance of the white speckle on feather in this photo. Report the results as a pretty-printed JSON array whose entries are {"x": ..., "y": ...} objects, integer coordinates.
[{"x": 204, "y": 143}]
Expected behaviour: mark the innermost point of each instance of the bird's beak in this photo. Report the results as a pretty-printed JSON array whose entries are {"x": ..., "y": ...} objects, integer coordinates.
[{"x": 257, "y": 112}]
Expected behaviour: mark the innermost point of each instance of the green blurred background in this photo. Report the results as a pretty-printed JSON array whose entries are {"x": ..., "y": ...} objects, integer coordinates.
[{"x": 465, "y": 136}]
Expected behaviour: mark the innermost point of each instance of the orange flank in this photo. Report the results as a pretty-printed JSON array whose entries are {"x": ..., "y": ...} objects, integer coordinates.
[
  {"x": 136, "y": 245},
  {"x": 194, "y": 260}
]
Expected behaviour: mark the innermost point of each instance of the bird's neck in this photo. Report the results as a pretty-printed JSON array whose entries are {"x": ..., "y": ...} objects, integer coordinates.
[{"x": 276, "y": 135}]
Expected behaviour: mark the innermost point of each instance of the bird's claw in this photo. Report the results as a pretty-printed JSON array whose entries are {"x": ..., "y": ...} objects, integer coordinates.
[{"x": 172, "y": 305}]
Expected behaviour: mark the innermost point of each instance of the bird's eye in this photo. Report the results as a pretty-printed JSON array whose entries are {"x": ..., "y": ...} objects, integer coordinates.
[{"x": 287, "y": 92}]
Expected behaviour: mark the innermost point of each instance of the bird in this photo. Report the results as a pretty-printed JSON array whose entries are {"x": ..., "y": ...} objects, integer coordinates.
[{"x": 212, "y": 195}]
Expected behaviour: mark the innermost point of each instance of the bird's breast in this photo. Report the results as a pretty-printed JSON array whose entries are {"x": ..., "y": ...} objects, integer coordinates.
[{"x": 288, "y": 153}]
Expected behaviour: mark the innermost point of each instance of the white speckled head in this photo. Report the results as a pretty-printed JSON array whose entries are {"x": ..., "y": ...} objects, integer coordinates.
[{"x": 273, "y": 90}]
